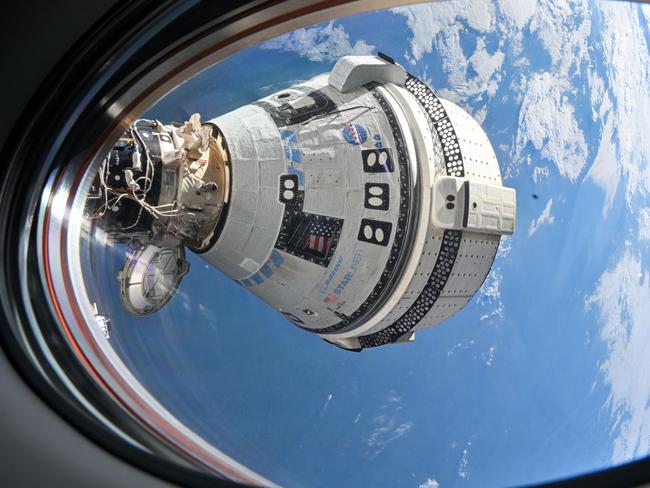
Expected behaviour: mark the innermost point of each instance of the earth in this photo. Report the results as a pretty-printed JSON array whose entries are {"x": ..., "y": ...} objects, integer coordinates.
[{"x": 545, "y": 373}]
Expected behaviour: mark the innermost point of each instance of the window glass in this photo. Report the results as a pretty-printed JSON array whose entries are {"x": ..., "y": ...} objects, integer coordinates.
[{"x": 540, "y": 375}]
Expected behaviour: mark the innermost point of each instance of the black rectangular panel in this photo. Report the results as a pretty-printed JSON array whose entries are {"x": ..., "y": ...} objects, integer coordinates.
[
  {"x": 309, "y": 236},
  {"x": 377, "y": 161},
  {"x": 377, "y": 196},
  {"x": 289, "y": 191},
  {"x": 375, "y": 232}
]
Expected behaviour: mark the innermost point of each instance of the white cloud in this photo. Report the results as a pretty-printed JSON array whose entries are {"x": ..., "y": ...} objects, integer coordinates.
[
  {"x": 436, "y": 25},
  {"x": 597, "y": 94},
  {"x": 605, "y": 171},
  {"x": 387, "y": 428},
  {"x": 505, "y": 246},
  {"x": 489, "y": 355},
  {"x": 393, "y": 398},
  {"x": 540, "y": 173},
  {"x": 463, "y": 472},
  {"x": 489, "y": 295},
  {"x": 487, "y": 67},
  {"x": 327, "y": 402},
  {"x": 453, "y": 59},
  {"x": 439, "y": 26},
  {"x": 429, "y": 483},
  {"x": 564, "y": 28},
  {"x": 386, "y": 431},
  {"x": 547, "y": 121},
  {"x": 425, "y": 21},
  {"x": 547, "y": 118},
  {"x": 480, "y": 115},
  {"x": 622, "y": 297},
  {"x": 460, "y": 347},
  {"x": 322, "y": 43},
  {"x": 519, "y": 12},
  {"x": 544, "y": 218},
  {"x": 645, "y": 10},
  {"x": 480, "y": 16},
  {"x": 624, "y": 148},
  {"x": 644, "y": 224}
]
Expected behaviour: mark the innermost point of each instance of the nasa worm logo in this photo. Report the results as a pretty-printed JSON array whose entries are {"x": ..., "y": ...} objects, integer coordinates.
[
  {"x": 347, "y": 277},
  {"x": 354, "y": 133}
]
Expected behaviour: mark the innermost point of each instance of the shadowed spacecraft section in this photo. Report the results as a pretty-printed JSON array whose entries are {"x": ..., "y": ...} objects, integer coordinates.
[{"x": 358, "y": 204}]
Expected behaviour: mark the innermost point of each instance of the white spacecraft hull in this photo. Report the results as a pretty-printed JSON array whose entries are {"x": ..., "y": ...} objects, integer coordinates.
[
  {"x": 331, "y": 217},
  {"x": 358, "y": 204}
]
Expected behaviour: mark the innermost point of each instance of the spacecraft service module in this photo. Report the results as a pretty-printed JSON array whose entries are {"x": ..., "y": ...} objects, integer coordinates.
[{"x": 358, "y": 204}]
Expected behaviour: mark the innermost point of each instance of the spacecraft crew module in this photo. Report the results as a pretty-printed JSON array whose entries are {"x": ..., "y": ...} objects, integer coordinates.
[{"x": 358, "y": 203}]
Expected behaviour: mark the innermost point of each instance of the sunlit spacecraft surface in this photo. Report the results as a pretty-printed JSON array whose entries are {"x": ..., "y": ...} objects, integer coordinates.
[{"x": 358, "y": 204}]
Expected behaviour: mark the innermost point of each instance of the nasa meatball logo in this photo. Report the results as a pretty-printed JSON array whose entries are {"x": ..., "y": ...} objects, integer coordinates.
[{"x": 354, "y": 133}]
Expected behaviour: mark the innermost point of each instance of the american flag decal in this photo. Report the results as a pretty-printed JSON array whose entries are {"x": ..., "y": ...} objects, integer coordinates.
[
  {"x": 319, "y": 236},
  {"x": 309, "y": 236}
]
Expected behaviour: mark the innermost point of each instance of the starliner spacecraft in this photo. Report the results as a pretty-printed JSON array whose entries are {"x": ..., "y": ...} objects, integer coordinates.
[{"x": 359, "y": 204}]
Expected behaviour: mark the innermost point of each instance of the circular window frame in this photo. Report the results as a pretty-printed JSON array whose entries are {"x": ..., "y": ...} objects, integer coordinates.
[{"x": 95, "y": 91}]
